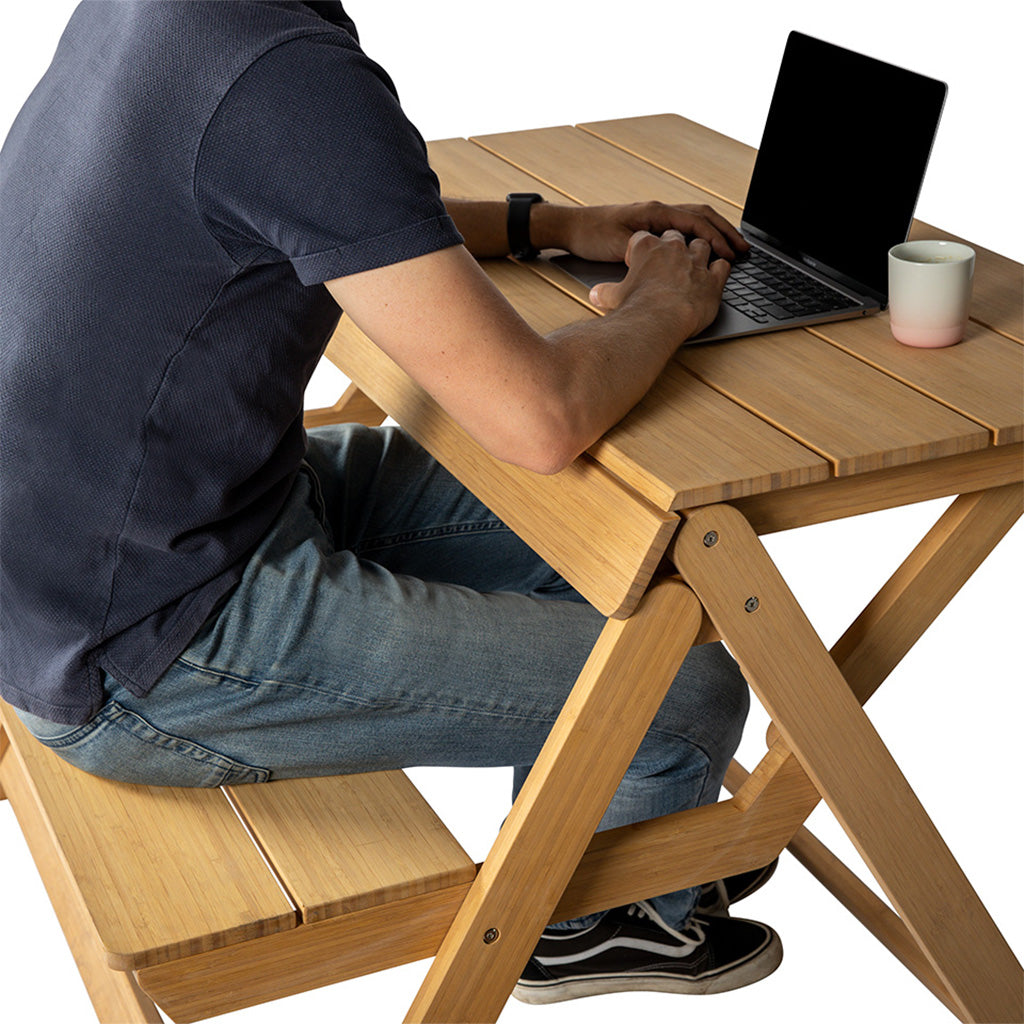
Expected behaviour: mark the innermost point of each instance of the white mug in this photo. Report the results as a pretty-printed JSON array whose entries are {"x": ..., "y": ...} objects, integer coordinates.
[{"x": 929, "y": 292}]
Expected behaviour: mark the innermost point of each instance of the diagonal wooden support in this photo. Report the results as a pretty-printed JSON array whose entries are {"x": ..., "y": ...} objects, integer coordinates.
[
  {"x": 558, "y": 808},
  {"x": 694, "y": 846},
  {"x": 913, "y": 597},
  {"x": 924, "y": 584},
  {"x": 872, "y": 912},
  {"x": 721, "y": 558}
]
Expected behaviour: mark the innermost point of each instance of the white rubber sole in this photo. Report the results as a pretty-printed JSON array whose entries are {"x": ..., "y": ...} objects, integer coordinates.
[{"x": 757, "y": 967}]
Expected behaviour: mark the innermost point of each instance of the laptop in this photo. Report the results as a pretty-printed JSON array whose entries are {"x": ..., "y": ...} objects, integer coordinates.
[{"x": 834, "y": 186}]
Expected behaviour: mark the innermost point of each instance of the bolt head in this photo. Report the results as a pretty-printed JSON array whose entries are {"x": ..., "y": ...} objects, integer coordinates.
[{"x": 710, "y": 539}]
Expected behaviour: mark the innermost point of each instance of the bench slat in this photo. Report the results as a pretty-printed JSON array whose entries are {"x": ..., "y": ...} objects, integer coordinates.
[
  {"x": 115, "y": 995},
  {"x": 162, "y": 872},
  {"x": 351, "y": 842}
]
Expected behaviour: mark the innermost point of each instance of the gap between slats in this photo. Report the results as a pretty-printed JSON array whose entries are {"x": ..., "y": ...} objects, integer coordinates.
[{"x": 254, "y": 839}]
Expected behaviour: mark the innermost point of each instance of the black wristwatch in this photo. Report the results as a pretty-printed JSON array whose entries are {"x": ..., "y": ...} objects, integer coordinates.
[{"x": 519, "y": 204}]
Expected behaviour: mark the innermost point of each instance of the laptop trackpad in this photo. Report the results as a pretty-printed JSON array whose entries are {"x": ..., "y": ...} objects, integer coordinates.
[{"x": 589, "y": 272}]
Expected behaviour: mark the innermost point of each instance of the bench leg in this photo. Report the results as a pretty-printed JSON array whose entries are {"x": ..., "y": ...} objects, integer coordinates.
[{"x": 115, "y": 995}]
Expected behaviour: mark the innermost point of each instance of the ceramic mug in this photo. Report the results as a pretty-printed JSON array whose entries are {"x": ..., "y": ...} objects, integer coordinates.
[{"x": 929, "y": 292}]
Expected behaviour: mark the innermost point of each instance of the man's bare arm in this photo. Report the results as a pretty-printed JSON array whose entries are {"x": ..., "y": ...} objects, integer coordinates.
[{"x": 535, "y": 401}]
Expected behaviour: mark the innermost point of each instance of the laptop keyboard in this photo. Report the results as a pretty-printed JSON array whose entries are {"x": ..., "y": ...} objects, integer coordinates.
[{"x": 766, "y": 288}]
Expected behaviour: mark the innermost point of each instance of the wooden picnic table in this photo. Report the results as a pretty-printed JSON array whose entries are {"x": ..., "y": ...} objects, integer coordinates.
[{"x": 658, "y": 525}]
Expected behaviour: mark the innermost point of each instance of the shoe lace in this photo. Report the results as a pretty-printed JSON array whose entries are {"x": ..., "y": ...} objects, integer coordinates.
[{"x": 691, "y": 930}]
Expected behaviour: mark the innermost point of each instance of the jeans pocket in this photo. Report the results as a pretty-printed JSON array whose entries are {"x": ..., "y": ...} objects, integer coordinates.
[{"x": 121, "y": 745}]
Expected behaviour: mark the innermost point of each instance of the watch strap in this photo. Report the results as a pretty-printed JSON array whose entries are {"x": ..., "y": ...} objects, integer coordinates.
[{"x": 518, "y": 224}]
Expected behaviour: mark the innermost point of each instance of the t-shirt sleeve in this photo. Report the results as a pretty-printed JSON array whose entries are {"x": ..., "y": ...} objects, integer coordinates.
[{"x": 309, "y": 153}]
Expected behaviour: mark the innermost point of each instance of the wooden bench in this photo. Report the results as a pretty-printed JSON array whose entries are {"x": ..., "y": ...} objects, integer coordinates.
[{"x": 203, "y": 901}]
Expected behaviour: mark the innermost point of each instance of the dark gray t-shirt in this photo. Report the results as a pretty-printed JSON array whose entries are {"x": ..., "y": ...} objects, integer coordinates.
[{"x": 172, "y": 196}]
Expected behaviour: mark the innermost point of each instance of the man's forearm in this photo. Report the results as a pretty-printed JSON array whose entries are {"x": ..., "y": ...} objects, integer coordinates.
[{"x": 483, "y": 224}]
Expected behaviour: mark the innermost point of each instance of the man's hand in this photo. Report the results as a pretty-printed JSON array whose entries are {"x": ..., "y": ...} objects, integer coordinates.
[
  {"x": 604, "y": 232},
  {"x": 671, "y": 276}
]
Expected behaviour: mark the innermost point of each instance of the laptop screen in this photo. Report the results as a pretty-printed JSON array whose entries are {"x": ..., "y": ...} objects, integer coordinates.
[{"x": 843, "y": 155}]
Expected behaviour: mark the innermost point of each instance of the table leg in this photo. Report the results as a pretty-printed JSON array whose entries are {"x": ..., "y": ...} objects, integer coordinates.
[
  {"x": 352, "y": 407},
  {"x": 822, "y": 722},
  {"x": 558, "y": 808}
]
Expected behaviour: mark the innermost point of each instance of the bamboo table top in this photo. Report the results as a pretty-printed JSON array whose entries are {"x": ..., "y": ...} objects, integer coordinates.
[{"x": 794, "y": 427}]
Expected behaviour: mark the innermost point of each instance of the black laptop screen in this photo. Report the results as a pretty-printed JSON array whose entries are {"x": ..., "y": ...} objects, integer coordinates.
[{"x": 843, "y": 155}]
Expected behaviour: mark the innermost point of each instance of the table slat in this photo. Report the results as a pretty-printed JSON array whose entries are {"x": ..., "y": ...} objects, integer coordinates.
[
  {"x": 467, "y": 171},
  {"x": 669, "y": 474},
  {"x": 722, "y": 165},
  {"x": 706, "y": 158},
  {"x": 857, "y": 418},
  {"x": 684, "y": 445},
  {"x": 589, "y": 170},
  {"x": 982, "y": 378},
  {"x": 886, "y": 424}
]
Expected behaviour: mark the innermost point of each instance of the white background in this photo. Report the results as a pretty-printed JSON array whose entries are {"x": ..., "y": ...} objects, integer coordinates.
[{"x": 951, "y": 713}]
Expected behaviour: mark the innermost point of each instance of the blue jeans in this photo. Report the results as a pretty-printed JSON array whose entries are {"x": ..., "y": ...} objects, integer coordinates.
[{"x": 388, "y": 620}]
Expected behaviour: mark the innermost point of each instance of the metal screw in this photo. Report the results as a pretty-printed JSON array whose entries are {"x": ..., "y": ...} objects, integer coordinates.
[
  {"x": 710, "y": 539},
  {"x": 751, "y": 604},
  {"x": 491, "y": 935}
]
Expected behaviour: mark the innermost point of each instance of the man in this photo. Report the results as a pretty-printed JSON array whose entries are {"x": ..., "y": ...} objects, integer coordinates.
[{"x": 197, "y": 593}]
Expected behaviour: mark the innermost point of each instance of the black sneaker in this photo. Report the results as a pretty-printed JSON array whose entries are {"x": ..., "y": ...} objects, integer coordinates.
[
  {"x": 716, "y": 897},
  {"x": 631, "y": 949}
]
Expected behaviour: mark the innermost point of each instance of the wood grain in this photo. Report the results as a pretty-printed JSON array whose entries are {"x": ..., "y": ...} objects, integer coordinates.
[
  {"x": 146, "y": 860},
  {"x": 308, "y": 957},
  {"x": 858, "y": 419},
  {"x": 558, "y": 809},
  {"x": 590, "y": 171},
  {"x": 349, "y": 842},
  {"x": 684, "y": 444},
  {"x": 691, "y": 151},
  {"x": 981, "y": 378},
  {"x": 114, "y": 994}
]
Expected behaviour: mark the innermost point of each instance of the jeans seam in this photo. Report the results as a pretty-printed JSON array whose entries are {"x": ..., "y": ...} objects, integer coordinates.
[
  {"x": 348, "y": 698},
  {"x": 180, "y": 746},
  {"x": 427, "y": 533},
  {"x": 368, "y": 702}
]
